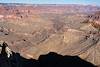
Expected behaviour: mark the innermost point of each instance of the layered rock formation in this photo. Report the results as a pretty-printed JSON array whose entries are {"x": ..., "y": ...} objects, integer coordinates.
[{"x": 32, "y": 30}]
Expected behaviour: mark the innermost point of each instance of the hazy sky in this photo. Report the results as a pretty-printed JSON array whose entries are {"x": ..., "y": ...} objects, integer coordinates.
[{"x": 93, "y": 2}]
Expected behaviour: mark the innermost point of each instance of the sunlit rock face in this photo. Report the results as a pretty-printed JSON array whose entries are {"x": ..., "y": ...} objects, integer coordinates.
[
  {"x": 32, "y": 30},
  {"x": 94, "y": 19}
]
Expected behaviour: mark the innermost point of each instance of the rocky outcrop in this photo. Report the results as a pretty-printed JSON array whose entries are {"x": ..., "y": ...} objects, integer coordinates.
[
  {"x": 49, "y": 60},
  {"x": 94, "y": 19},
  {"x": 39, "y": 29}
]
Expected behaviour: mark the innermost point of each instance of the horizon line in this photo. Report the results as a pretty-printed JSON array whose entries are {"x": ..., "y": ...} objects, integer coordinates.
[{"x": 51, "y": 4}]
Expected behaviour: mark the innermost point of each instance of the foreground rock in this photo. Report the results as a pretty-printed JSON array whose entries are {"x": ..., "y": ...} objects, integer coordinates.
[
  {"x": 37, "y": 29},
  {"x": 49, "y": 60}
]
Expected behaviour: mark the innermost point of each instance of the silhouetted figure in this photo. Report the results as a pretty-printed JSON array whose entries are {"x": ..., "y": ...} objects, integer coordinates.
[{"x": 3, "y": 52}]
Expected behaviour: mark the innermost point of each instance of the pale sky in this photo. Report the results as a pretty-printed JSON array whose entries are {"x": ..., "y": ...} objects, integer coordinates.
[{"x": 87, "y": 2}]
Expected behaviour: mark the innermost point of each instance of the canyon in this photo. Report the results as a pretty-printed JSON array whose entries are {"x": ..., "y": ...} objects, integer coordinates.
[{"x": 33, "y": 30}]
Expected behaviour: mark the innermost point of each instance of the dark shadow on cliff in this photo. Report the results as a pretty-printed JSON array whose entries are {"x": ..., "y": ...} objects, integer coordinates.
[
  {"x": 55, "y": 60},
  {"x": 50, "y": 60}
]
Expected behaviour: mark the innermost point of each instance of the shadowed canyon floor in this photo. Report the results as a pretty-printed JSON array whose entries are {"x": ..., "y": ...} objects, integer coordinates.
[{"x": 33, "y": 30}]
